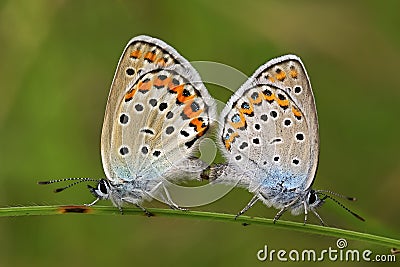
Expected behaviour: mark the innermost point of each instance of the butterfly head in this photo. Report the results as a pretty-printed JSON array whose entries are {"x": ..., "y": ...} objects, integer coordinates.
[
  {"x": 313, "y": 199},
  {"x": 102, "y": 189}
]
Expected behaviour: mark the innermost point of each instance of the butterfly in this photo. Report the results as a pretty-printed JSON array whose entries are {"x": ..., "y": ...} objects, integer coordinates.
[
  {"x": 269, "y": 135},
  {"x": 157, "y": 111}
]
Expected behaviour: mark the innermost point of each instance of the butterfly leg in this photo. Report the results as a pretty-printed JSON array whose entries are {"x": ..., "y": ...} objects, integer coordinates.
[
  {"x": 249, "y": 205},
  {"x": 91, "y": 204},
  {"x": 148, "y": 213},
  {"x": 319, "y": 217},
  {"x": 97, "y": 199},
  {"x": 279, "y": 214},
  {"x": 134, "y": 202},
  {"x": 287, "y": 206},
  {"x": 121, "y": 210},
  {"x": 167, "y": 200},
  {"x": 305, "y": 212}
]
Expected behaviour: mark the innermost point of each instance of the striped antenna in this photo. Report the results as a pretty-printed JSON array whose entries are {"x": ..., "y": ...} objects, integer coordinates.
[
  {"x": 77, "y": 181},
  {"x": 325, "y": 192},
  {"x": 336, "y": 194}
]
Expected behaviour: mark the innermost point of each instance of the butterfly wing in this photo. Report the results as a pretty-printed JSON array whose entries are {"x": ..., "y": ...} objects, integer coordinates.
[
  {"x": 156, "y": 111},
  {"x": 269, "y": 128}
]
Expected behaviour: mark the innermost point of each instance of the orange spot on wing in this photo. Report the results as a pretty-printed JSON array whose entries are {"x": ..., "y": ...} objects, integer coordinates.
[
  {"x": 178, "y": 89},
  {"x": 144, "y": 86},
  {"x": 256, "y": 101},
  {"x": 228, "y": 142},
  {"x": 282, "y": 103},
  {"x": 181, "y": 98},
  {"x": 150, "y": 56},
  {"x": 187, "y": 110},
  {"x": 239, "y": 124},
  {"x": 281, "y": 75},
  {"x": 130, "y": 94},
  {"x": 159, "y": 82},
  {"x": 136, "y": 54},
  {"x": 247, "y": 111},
  {"x": 293, "y": 73},
  {"x": 271, "y": 79},
  {"x": 199, "y": 126},
  {"x": 269, "y": 98},
  {"x": 296, "y": 112},
  {"x": 161, "y": 61},
  {"x": 175, "y": 88}
]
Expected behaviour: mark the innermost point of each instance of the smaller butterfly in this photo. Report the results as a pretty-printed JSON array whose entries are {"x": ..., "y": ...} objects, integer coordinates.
[
  {"x": 269, "y": 135},
  {"x": 157, "y": 111}
]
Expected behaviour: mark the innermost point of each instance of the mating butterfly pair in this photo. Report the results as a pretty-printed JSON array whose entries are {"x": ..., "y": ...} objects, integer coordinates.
[{"x": 158, "y": 110}]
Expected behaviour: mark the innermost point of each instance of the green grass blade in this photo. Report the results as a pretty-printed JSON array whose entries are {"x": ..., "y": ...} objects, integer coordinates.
[{"x": 294, "y": 226}]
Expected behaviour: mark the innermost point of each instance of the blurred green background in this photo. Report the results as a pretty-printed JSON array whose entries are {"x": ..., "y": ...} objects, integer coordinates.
[{"x": 57, "y": 63}]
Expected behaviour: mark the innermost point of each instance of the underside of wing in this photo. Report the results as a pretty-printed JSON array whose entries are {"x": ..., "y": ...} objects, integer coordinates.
[
  {"x": 158, "y": 123},
  {"x": 265, "y": 136},
  {"x": 143, "y": 57},
  {"x": 269, "y": 127}
]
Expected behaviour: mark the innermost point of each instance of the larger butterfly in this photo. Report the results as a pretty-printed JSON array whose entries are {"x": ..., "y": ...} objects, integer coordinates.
[
  {"x": 269, "y": 134},
  {"x": 156, "y": 113}
]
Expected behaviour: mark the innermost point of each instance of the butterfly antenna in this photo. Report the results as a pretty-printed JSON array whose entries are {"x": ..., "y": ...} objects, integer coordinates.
[
  {"x": 322, "y": 192},
  {"x": 337, "y": 194},
  {"x": 77, "y": 181}
]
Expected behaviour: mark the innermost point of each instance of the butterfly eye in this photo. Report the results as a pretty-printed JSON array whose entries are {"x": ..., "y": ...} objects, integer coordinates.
[
  {"x": 101, "y": 191},
  {"x": 312, "y": 197},
  {"x": 102, "y": 187}
]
